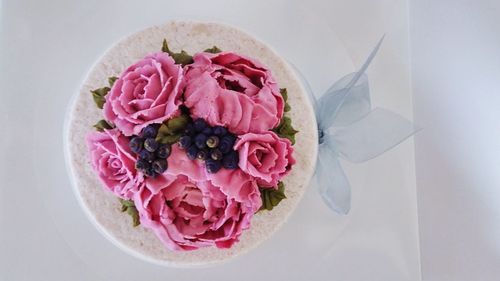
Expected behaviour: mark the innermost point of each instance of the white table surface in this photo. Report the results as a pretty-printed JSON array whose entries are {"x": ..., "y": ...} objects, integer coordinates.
[{"x": 47, "y": 47}]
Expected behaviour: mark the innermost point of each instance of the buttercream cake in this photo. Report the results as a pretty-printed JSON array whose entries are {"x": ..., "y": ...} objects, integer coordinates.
[{"x": 198, "y": 202}]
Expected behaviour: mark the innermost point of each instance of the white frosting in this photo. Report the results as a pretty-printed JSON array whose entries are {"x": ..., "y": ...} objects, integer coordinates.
[{"x": 103, "y": 208}]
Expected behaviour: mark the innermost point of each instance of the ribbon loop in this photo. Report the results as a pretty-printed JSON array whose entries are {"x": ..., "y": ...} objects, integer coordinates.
[
  {"x": 371, "y": 136},
  {"x": 341, "y": 106}
]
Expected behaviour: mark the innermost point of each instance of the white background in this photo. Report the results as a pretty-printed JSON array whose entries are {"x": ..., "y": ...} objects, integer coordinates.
[
  {"x": 456, "y": 88},
  {"x": 48, "y": 45}
]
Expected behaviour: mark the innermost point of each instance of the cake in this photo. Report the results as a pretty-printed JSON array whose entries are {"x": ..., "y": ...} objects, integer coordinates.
[{"x": 185, "y": 159}]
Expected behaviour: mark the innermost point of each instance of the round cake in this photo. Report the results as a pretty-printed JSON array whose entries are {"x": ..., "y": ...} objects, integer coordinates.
[{"x": 214, "y": 46}]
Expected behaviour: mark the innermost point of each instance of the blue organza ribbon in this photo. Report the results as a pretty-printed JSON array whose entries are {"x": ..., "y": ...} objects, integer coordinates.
[{"x": 350, "y": 129}]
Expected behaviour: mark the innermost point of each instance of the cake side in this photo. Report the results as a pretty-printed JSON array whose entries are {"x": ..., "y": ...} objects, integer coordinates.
[{"x": 103, "y": 207}]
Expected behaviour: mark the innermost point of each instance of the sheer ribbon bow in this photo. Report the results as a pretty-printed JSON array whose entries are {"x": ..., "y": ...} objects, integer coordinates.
[{"x": 350, "y": 129}]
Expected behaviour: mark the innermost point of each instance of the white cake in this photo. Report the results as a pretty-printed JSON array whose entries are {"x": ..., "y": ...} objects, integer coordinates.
[{"x": 103, "y": 208}]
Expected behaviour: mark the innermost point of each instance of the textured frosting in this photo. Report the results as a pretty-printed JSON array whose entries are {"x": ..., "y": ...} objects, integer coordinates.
[
  {"x": 265, "y": 156},
  {"x": 201, "y": 209},
  {"x": 232, "y": 90},
  {"x": 113, "y": 162},
  {"x": 146, "y": 92}
]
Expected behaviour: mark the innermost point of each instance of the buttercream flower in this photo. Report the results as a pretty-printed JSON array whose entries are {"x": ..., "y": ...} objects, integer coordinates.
[
  {"x": 266, "y": 156},
  {"x": 113, "y": 162},
  {"x": 147, "y": 92},
  {"x": 235, "y": 91},
  {"x": 188, "y": 209}
]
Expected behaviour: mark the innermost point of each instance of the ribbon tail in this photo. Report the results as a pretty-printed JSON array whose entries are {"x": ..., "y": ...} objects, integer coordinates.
[
  {"x": 365, "y": 65},
  {"x": 334, "y": 188},
  {"x": 330, "y": 104},
  {"x": 371, "y": 136}
]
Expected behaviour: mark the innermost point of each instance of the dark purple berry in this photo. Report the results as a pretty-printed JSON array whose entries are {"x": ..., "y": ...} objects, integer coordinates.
[
  {"x": 202, "y": 154},
  {"x": 230, "y": 160},
  {"x": 159, "y": 166},
  {"x": 164, "y": 151},
  {"x": 146, "y": 155},
  {"x": 200, "y": 141},
  {"x": 213, "y": 141},
  {"x": 199, "y": 125},
  {"x": 150, "y": 131},
  {"x": 142, "y": 165},
  {"x": 189, "y": 130},
  {"x": 192, "y": 152},
  {"x": 226, "y": 143},
  {"x": 185, "y": 142},
  {"x": 219, "y": 131},
  {"x": 207, "y": 131},
  {"x": 149, "y": 172},
  {"x": 213, "y": 166},
  {"x": 135, "y": 144},
  {"x": 216, "y": 154},
  {"x": 151, "y": 145}
]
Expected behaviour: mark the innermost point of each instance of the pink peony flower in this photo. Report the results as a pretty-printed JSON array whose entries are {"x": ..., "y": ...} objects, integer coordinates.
[
  {"x": 147, "y": 92},
  {"x": 114, "y": 163},
  {"x": 231, "y": 90},
  {"x": 266, "y": 156},
  {"x": 187, "y": 208}
]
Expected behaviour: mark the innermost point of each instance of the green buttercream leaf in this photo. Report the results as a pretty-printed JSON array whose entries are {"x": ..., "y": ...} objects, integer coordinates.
[
  {"x": 102, "y": 124},
  {"x": 170, "y": 139},
  {"x": 127, "y": 203},
  {"x": 180, "y": 58},
  {"x": 171, "y": 130},
  {"x": 165, "y": 48},
  {"x": 267, "y": 202},
  {"x": 284, "y": 94},
  {"x": 112, "y": 80},
  {"x": 286, "y": 130},
  {"x": 164, "y": 130},
  {"x": 178, "y": 124},
  {"x": 99, "y": 96},
  {"x": 183, "y": 58},
  {"x": 272, "y": 197},
  {"x": 134, "y": 214},
  {"x": 129, "y": 207},
  {"x": 213, "y": 50},
  {"x": 135, "y": 218}
]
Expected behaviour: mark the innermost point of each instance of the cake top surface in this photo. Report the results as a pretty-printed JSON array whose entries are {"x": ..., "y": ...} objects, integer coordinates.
[{"x": 103, "y": 208}]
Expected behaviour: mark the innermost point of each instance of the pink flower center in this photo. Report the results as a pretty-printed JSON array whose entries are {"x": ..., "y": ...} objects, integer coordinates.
[
  {"x": 115, "y": 163},
  {"x": 188, "y": 203}
]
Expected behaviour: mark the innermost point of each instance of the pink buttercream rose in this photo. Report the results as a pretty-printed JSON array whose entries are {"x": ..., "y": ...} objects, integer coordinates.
[
  {"x": 266, "y": 156},
  {"x": 187, "y": 208},
  {"x": 113, "y": 162},
  {"x": 147, "y": 92},
  {"x": 232, "y": 90}
]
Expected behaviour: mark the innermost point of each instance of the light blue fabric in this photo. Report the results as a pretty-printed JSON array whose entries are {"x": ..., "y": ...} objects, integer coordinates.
[{"x": 350, "y": 129}]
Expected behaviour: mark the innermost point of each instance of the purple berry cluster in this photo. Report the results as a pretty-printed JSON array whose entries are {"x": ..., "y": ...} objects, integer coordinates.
[
  {"x": 152, "y": 156},
  {"x": 214, "y": 145}
]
